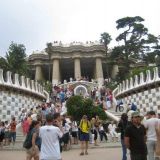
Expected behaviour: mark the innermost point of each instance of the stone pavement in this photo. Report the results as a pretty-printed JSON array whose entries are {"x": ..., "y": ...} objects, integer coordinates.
[
  {"x": 105, "y": 151},
  {"x": 18, "y": 146},
  {"x": 94, "y": 154}
]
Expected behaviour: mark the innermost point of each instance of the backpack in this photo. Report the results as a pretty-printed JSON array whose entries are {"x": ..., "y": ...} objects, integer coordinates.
[
  {"x": 28, "y": 141},
  {"x": 133, "y": 107}
]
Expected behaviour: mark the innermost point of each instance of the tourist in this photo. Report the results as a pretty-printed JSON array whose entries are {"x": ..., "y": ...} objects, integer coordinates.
[
  {"x": 108, "y": 102},
  {"x": 96, "y": 123},
  {"x": 13, "y": 130},
  {"x": 25, "y": 126},
  {"x": 74, "y": 128},
  {"x": 119, "y": 105},
  {"x": 7, "y": 133},
  {"x": 102, "y": 132},
  {"x": 158, "y": 115},
  {"x": 84, "y": 134},
  {"x": 50, "y": 135},
  {"x": 66, "y": 137},
  {"x": 150, "y": 125},
  {"x": 133, "y": 107},
  {"x": 2, "y": 134},
  {"x": 122, "y": 127},
  {"x": 33, "y": 136},
  {"x": 135, "y": 138},
  {"x": 112, "y": 131},
  {"x": 29, "y": 119},
  {"x": 62, "y": 96},
  {"x": 56, "y": 122}
]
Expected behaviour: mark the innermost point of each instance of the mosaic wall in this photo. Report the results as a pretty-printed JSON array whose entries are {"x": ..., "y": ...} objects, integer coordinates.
[
  {"x": 12, "y": 103},
  {"x": 146, "y": 100}
]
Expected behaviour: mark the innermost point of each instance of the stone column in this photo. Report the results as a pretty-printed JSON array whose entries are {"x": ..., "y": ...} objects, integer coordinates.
[
  {"x": 38, "y": 74},
  {"x": 115, "y": 70},
  {"x": 99, "y": 71},
  {"x": 77, "y": 68},
  {"x": 55, "y": 72}
]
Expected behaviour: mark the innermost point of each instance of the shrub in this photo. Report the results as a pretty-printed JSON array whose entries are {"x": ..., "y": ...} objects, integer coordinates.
[{"x": 77, "y": 106}]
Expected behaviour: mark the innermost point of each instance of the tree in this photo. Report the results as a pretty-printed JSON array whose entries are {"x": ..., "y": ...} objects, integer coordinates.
[
  {"x": 77, "y": 106},
  {"x": 132, "y": 41},
  {"x": 49, "y": 51},
  {"x": 153, "y": 49},
  {"x": 15, "y": 59},
  {"x": 105, "y": 39}
]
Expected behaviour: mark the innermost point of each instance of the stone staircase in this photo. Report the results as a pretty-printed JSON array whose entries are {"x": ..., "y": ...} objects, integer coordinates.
[
  {"x": 117, "y": 114},
  {"x": 19, "y": 142}
]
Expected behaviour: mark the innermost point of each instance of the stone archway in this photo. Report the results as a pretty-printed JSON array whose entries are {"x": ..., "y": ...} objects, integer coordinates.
[{"x": 80, "y": 90}]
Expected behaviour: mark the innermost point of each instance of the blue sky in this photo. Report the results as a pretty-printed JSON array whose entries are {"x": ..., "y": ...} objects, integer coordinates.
[{"x": 36, "y": 22}]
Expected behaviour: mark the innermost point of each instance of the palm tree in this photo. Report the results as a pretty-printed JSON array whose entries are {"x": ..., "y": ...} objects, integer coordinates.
[
  {"x": 105, "y": 39},
  {"x": 15, "y": 59}
]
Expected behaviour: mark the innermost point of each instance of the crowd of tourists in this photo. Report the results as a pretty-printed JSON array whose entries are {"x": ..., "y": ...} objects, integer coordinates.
[
  {"x": 52, "y": 132},
  {"x": 58, "y": 133},
  {"x": 7, "y": 132},
  {"x": 140, "y": 135}
]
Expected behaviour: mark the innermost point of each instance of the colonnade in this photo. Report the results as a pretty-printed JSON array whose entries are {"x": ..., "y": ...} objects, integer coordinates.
[{"x": 56, "y": 76}]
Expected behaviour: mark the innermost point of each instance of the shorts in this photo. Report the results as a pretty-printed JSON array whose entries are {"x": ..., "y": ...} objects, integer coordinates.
[
  {"x": 7, "y": 134},
  {"x": 13, "y": 136},
  {"x": 65, "y": 138},
  {"x": 74, "y": 134},
  {"x": 84, "y": 136}
]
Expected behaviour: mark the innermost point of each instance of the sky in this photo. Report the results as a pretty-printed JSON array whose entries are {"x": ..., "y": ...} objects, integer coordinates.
[{"x": 36, "y": 22}]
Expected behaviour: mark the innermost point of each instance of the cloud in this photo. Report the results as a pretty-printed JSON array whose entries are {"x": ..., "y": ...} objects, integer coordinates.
[{"x": 36, "y": 22}]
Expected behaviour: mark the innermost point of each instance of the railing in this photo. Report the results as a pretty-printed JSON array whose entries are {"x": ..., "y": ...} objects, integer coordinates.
[
  {"x": 138, "y": 81},
  {"x": 21, "y": 83}
]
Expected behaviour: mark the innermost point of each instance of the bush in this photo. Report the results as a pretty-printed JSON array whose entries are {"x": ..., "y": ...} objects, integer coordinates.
[{"x": 77, "y": 106}]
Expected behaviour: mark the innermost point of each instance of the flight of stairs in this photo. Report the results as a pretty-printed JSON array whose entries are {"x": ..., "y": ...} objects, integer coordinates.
[
  {"x": 117, "y": 114},
  {"x": 19, "y": 142}
]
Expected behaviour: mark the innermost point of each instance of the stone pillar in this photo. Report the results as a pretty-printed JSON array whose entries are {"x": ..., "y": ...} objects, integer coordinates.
[
  {"x": 55, "y": 72},
  {"x": 115, "y": 70},
  {"x": 77, "y": 68},
  {"x": 39, "y": 74},
  {"x": 99, "y": 71}
]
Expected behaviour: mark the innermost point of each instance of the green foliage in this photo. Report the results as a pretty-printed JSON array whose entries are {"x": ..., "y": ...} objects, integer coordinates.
[
  {"x": 15, "y": 60},
  {"x": 105, "y": 39},
  {"x": 135, "y": 42},
  {"x": 77, "y": 106},
  {"x": 137, "y": 71},
  {"x": 47, "y": 85},
  {"x": 111, "y": 85}
]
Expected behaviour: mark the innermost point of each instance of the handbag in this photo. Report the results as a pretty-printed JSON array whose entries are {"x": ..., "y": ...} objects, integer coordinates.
[{"x": 28, "y": 141}]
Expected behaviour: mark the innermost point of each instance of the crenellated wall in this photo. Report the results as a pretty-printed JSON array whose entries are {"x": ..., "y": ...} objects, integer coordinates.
[
  {"x": 17, "y": 93},
  {"x": 142, "y": 89}
]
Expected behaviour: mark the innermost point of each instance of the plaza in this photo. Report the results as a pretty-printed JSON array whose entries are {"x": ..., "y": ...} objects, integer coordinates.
[
  {"x": 81, "y": 77},
  {"x": 101, "y": 153}
]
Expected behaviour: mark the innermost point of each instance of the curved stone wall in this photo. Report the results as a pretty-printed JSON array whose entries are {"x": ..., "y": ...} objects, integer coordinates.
[
  {"x": 142, "y": 89},
  {"x": 17, "y": 93}
]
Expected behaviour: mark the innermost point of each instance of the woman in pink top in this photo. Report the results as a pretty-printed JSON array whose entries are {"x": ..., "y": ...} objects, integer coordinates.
[{"x": 25, "y": 126}]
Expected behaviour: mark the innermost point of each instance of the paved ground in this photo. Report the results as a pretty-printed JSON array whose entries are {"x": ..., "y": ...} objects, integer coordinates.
[
  {"x": 18, "y": 146},
  {"x": 94, "y": 154}
]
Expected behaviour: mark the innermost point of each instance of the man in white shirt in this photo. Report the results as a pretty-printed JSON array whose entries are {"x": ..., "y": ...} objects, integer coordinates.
[
  {"x": 50, "y": 149},
  {"x": 150, "y": 124}
]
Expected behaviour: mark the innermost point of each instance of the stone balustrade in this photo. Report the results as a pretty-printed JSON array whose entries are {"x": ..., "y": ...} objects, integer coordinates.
[
  {"x": 74, "y": 43},
  {"x": 143, "y": 90},
  {"x": 21, "y": 83},
  {"x": 139, "y": 81}
]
